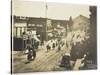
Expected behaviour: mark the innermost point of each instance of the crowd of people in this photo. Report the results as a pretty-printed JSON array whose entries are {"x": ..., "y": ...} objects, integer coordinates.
[
  {"x": 75, "y": 42},
  {"x": 54, "y": 44}
]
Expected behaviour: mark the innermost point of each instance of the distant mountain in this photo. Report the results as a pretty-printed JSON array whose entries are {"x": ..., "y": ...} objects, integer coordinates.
[{"x": 81, "y": 22}]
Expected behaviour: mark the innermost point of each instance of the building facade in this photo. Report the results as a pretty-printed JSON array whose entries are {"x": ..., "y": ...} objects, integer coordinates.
[{"x": 42, "y": 26}]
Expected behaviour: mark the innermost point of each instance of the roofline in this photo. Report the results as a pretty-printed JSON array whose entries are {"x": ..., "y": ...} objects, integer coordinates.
[{"x": 41, "y": 18}]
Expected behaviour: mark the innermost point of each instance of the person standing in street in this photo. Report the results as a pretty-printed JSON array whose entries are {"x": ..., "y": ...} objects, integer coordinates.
[{"x": 24, "y": 41}]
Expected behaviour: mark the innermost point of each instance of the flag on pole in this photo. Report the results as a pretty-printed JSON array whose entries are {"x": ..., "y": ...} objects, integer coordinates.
[{"x": 46, "y": 7}]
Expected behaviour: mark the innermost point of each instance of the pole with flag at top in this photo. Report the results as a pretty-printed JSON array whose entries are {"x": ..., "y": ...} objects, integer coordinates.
[{"x": 46, "y": 8}]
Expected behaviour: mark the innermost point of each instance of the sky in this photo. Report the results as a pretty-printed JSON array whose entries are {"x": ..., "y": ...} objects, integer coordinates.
[{"x": 54, "y": 10}]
